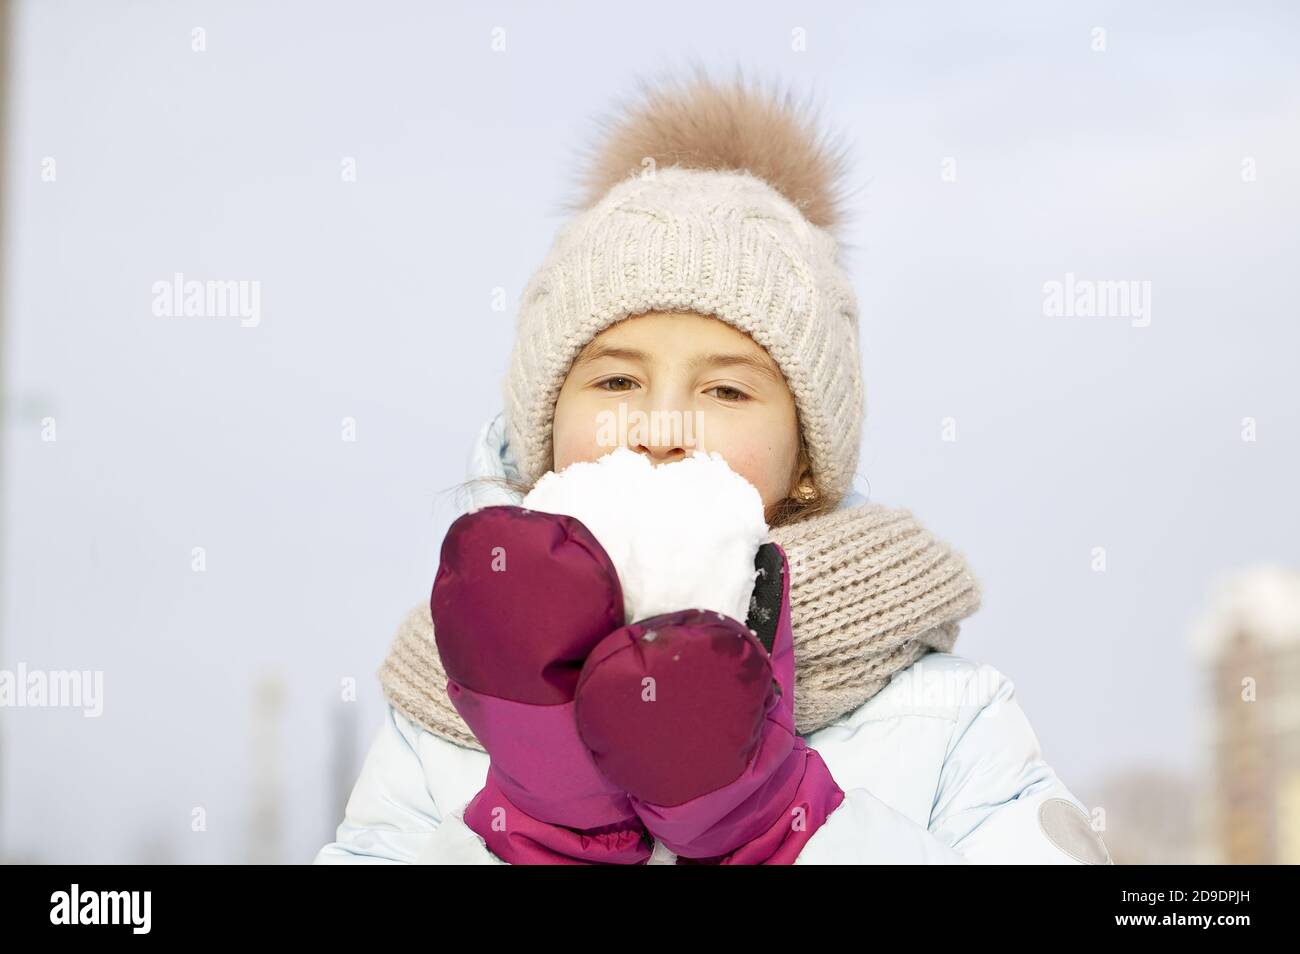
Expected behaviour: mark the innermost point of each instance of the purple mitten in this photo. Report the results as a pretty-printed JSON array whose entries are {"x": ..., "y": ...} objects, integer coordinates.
[
  {"x": 693, "y": 717},
  {"x": 520, "y": 599}
]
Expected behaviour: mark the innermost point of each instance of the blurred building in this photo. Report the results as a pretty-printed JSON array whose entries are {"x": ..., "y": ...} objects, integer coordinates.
[
  {"x": 1249, "y": 647},
  {"x": 1152, "y": 816},
  {"x": 265, "y": 824}
]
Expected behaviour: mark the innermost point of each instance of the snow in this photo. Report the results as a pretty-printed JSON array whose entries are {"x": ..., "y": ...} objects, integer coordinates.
[{"x": 682, "y": 535}]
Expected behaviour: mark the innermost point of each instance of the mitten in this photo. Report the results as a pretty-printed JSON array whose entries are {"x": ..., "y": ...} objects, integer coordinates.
[
  {"x": 692, "y": 714},
  {"x": 519, "y": 600}
]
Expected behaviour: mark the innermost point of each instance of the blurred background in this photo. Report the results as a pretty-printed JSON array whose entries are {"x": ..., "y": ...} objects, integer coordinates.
[{"x": 215, "y": 525}]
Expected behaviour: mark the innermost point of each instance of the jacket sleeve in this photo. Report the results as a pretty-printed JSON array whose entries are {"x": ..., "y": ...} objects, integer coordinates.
[
  {"x": 391, "y": 818},
  {"x": 997, "y": 801}
]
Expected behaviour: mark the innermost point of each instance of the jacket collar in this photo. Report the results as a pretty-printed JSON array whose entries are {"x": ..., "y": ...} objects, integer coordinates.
[{"x": 491, "y": 456}]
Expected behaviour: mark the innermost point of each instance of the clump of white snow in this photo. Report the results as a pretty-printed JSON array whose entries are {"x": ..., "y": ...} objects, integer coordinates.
[{"x": 682, "y": 535}]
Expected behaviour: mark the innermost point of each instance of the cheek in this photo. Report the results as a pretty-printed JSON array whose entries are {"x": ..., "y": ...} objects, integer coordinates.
[
  {"x": 759, "y": 466},
  {"x": 572, "y": 434},
  {"x": 567, "y": 451},
  {"x": 761, "y": 448}
]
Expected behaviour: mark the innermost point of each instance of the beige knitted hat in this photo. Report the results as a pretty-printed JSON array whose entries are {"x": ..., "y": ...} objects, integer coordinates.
[{"x": 716, "y": 199}]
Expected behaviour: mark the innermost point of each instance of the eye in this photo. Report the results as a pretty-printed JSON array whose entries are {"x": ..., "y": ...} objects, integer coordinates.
[
  {"x": 740, "y": 395},
  {"x": 602, "y": 384}
]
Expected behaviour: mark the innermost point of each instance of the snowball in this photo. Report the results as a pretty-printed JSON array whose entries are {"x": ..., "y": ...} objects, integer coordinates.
[{"x": 682, "y": 535}]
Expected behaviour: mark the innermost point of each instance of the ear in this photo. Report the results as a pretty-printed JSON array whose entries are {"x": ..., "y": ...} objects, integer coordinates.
[{"x": 803, "y": 475}]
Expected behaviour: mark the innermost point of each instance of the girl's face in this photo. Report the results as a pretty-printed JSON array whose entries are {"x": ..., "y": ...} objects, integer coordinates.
[{"x": 665, "y": 384}]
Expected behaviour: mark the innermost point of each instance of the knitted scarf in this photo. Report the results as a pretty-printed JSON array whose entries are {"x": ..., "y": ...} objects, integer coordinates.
[{"x": 871, "y": 591}]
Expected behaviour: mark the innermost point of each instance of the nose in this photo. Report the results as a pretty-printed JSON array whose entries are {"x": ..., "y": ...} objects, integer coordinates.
[
  {"x": 661, "y": 421},
  {"x": 660, "y": 437},
  {"x": 661, "y": 452}
]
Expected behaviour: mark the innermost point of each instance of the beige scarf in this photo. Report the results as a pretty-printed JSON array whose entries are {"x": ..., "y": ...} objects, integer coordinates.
[{"x": 871, "y": 592}]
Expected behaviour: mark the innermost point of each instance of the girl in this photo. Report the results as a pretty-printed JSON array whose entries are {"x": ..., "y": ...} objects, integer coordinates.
[{"x": 701, "y": 278}]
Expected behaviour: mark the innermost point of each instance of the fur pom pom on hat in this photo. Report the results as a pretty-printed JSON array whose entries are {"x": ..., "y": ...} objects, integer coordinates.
[
  {"x": 718, "y": 199},
  {"x": 705, "y": 125}
]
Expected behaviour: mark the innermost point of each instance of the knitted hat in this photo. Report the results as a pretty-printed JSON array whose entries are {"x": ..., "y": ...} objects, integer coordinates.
[{"x": 715, "y": 199}]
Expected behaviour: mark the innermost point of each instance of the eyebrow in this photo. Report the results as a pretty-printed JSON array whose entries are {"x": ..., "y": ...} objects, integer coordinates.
[{"x": 713, "y": 359}]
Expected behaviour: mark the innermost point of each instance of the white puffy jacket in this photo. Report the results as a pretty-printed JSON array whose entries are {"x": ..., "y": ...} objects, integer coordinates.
[{"x": 939, "y": 767}]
